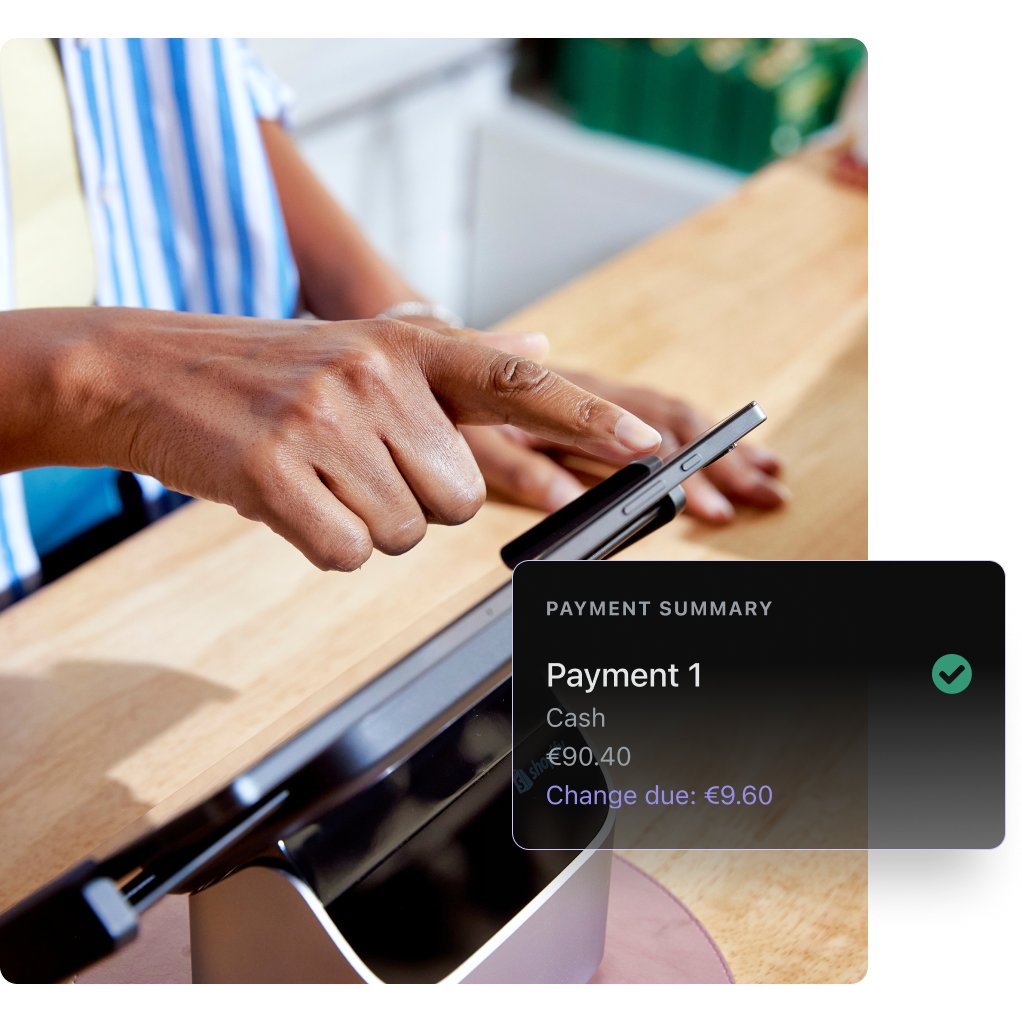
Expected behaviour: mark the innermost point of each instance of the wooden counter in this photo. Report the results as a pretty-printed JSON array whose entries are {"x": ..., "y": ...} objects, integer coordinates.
[{"x": 155, "y": 672}]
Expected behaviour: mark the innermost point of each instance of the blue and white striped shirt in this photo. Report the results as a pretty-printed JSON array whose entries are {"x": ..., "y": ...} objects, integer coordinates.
[{"x": 182, "y": 206}]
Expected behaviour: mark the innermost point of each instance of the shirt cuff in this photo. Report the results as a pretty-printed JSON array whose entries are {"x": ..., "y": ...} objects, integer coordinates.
[{"x": 271, "y": 98}]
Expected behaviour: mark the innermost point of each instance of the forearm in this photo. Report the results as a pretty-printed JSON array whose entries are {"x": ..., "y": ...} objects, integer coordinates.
[
  {"x": 342, "y": 276},
  {"x": 58, "y": 404}
]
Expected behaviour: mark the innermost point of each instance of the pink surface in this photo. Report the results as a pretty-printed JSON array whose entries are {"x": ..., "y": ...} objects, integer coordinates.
[
  {"x": 651, "y": 938},
  {"x": 161, "y": 953}
]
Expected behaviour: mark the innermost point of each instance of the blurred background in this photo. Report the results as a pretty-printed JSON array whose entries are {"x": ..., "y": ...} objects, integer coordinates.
[{"x": 491, "y": 171}]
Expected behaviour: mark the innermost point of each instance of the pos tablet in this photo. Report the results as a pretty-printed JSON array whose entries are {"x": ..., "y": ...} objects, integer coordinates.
[{"x": 344, "y": 824}]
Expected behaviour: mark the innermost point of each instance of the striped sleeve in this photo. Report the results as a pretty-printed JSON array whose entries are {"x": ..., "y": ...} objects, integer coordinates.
[
  {"x": 182, "y": 204},
  {"x": 271, "y": 98}
]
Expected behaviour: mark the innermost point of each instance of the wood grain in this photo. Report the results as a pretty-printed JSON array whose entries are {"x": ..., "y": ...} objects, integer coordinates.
[{"x": 158, "y": 670}]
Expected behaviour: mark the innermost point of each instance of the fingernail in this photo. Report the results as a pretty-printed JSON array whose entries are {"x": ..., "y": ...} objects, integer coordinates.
[
  {"x": 563, "y": 491},
  {"x": 633, "y": 433},
  {"x": 781, "y": 490}
]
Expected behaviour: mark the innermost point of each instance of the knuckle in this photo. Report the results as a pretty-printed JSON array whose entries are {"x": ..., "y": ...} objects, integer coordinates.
[
  {"x": 585, "y": 410},
  {"x": 361, "y": 368},
  {"x": 514, "y": 375},
  {"x": 317, "y": 400},
  {"x": 324, "y": 403},
  {"x": 309, "y": 406},
  {"x": 263, "y": 464}
]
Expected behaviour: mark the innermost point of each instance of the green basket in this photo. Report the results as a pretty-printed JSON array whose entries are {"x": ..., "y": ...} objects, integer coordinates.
[{"x": 739, "y": 102}]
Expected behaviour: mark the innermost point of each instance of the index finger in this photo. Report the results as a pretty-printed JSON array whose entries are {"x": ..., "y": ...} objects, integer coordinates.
[{"x": 480, "y": 386}]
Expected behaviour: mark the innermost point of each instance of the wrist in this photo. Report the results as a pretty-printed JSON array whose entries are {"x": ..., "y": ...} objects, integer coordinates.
[
  {"x": 65, "y": 393},
  {"x": 339, "y": 298},
  {"x": 46, "y": 372}
]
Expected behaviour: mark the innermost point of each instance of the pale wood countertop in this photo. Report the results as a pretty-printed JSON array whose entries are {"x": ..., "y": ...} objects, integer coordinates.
[{"x": 158, "y": 670}]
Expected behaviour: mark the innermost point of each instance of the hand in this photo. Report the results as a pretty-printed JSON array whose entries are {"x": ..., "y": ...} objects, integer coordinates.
[
  {"x": 522, "y": 469},
  {"x": 339, "y": 436}
]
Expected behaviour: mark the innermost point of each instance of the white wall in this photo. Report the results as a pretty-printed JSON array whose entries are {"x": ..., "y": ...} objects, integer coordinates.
[
  {"x": 483, "y": 202},
  {"x": 389, "y": 126},
  {"x": 553, "y": 200}
]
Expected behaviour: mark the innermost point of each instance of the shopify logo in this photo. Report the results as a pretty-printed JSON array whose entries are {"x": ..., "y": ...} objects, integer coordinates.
[{"x": 522, "y": 782}]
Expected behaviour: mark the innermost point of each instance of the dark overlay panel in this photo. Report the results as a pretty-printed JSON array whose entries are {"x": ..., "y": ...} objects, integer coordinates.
[{"x": 762, "y": 704}]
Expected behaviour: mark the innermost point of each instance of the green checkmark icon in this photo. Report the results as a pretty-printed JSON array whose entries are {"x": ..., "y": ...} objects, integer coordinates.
[{"x": 952, "y": 673}]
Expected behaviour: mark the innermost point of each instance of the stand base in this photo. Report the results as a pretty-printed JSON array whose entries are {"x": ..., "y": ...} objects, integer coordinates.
[{"x": 651, "y": 938}]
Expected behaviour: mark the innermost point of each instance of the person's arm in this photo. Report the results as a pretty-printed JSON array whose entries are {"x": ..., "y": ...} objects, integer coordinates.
[
  {"x": 341, "y": 275},
  {"x": 344, "y": 277},
  {"x": 339, "y": 436}
]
